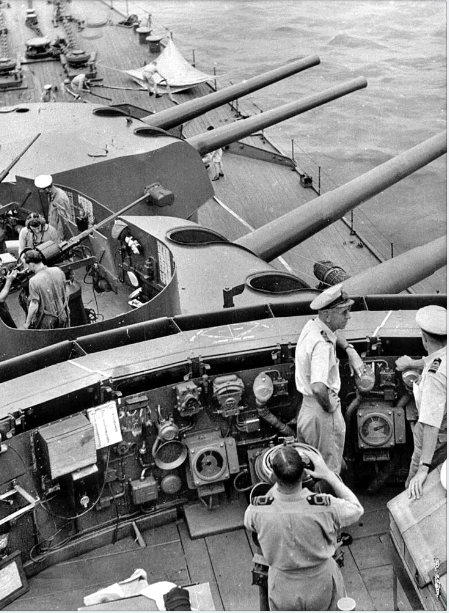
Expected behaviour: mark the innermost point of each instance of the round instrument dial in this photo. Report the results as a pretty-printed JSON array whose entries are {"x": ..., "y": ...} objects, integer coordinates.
[{"x": 375, "y": 429}]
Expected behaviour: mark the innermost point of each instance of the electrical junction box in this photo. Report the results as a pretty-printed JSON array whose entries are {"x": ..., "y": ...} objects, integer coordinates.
[
  {"x": 144, "y": 490},
  {"x": 66, "y": 446}
]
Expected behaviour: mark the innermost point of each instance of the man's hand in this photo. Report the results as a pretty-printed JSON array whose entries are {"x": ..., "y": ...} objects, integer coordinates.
[
  {"x": 327, "y": 399},
  {"x": 403, "y": 363},
  {"x": 355, "y": 362},
  {"x": 415, "y": 487},
  {"x": 4, "y": 289},
  {"x": 12, "y": 274},
  {"x": 320, "y": 471}
]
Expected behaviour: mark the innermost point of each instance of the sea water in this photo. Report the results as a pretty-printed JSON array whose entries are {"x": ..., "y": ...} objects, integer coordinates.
[{"x": 398, "y": 46}]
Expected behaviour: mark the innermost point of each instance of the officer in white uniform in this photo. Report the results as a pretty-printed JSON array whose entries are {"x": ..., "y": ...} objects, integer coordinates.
[
  {"x": 59, "y": 207},
  {"x": 320, "y": 420},
  {"x": 430, "y": 392},
  {"x": 297, "y": 532}
]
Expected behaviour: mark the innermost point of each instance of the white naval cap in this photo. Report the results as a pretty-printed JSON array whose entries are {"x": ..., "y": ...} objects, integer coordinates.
[
  {"x": 432, "y": 319},
  {"x": 48, "y": 86},
  {"x": 43, "y": 181},
  {"x": 332, "y": 298}
]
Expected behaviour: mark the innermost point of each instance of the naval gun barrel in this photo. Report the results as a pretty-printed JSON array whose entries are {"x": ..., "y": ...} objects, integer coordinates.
[
  {"x": 53, "y": 252},
  {"x": 4, "y": 173},
  {"x": 400, "y": 272},
  {"x": 278, "y": 236},
  {"x": 75, "y": 240},
  {"x": 175, "y": 116},
  {"x": 214, "y": 139}
]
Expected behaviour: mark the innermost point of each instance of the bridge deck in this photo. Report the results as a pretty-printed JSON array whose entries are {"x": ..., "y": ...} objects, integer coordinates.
[{"x": 222, "y": 560}]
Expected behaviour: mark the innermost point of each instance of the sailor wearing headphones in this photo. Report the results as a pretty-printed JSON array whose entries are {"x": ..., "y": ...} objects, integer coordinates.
[{"x": 36, "y": 232}]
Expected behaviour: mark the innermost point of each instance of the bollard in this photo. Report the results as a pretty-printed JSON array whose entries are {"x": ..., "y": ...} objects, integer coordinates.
[
  {"x": 155, "y": 43},
  {"x": 143, "y": 32}
]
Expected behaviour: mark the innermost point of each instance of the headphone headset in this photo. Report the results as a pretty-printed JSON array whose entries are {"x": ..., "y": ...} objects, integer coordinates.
[{"x": 33, "y": 218}]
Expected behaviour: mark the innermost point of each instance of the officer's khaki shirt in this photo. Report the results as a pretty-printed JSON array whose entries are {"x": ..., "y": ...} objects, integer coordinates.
[{"x": 294, "y": 533}]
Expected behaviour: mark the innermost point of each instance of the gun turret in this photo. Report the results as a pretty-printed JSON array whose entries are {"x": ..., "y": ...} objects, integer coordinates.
[
  {"x": 214, "y": 139},
  {"x": 400, "y": 272},
  {"x": 175, "y": 116},
  {"x": 278, "y": 236}
]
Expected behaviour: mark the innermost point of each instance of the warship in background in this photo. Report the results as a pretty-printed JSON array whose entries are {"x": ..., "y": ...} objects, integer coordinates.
[{"x": 148, "y": 408}]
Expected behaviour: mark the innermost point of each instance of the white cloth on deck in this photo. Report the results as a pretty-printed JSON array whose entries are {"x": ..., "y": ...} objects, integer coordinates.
[{"x": 132, "y": 586}]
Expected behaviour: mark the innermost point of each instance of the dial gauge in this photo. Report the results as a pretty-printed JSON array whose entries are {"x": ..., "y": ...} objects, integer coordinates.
[{"x": 375, "y": 429}]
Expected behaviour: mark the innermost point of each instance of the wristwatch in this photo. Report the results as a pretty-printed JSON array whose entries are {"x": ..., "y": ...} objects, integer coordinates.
[
  {"x": 349, "y": 346},
  {"x": 426, "y": 464}
]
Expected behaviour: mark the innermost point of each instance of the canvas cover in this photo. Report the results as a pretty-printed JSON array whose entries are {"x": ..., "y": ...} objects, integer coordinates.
[
  {"x": 175, "y": 68},
  {"x": 418, "y": 529}
]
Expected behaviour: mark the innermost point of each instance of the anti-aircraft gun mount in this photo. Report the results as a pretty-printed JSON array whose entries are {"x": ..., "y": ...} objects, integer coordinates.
[{"x": 54, "y": 253}]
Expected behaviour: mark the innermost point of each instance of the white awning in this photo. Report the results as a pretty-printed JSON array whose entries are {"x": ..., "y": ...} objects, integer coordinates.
[{"x": 175, "y": 68}]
